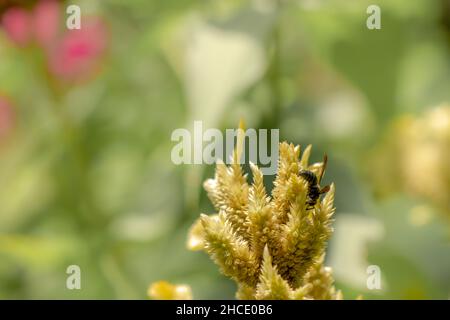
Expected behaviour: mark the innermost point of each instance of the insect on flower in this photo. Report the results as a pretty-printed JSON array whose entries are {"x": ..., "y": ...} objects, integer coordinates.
[
  {"x": 271, "y": 246},
  {"x": 314, "y": 190}
]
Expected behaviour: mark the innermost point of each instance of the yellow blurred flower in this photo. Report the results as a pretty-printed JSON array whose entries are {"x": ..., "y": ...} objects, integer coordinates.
[
  {"x": 414, "y": 157},
  {"x": 163, "y": 290}
]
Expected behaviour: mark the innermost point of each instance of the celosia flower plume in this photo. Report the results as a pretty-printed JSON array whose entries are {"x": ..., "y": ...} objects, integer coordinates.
[{"x": 272, "y": 246}]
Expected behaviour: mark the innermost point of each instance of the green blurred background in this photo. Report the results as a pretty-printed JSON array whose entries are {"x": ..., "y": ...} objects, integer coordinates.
[{"x": 86, "y": 176}]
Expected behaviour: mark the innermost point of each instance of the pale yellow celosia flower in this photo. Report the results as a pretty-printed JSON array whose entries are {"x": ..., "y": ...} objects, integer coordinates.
[{"x": 271, "y": 246}]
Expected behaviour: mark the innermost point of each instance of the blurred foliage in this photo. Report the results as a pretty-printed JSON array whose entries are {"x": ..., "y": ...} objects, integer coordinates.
[{"x": 85, "y": 170}]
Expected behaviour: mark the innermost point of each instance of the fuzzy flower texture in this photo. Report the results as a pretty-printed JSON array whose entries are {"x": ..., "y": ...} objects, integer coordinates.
[{"x": 273, "y": 247}]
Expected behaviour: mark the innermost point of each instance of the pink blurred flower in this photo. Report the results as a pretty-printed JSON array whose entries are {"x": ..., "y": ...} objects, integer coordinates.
[
  {"x": 16, "y": 22},
  {"x": 46, "y": 19},
  {"x": 72, "y": 55},
  {"x": 77, "y": 55},
  {"x": 6, "y": 117}
]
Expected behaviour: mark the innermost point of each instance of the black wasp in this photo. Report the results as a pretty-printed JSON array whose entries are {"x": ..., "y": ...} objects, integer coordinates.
[{"x": 314, "y": 190}]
